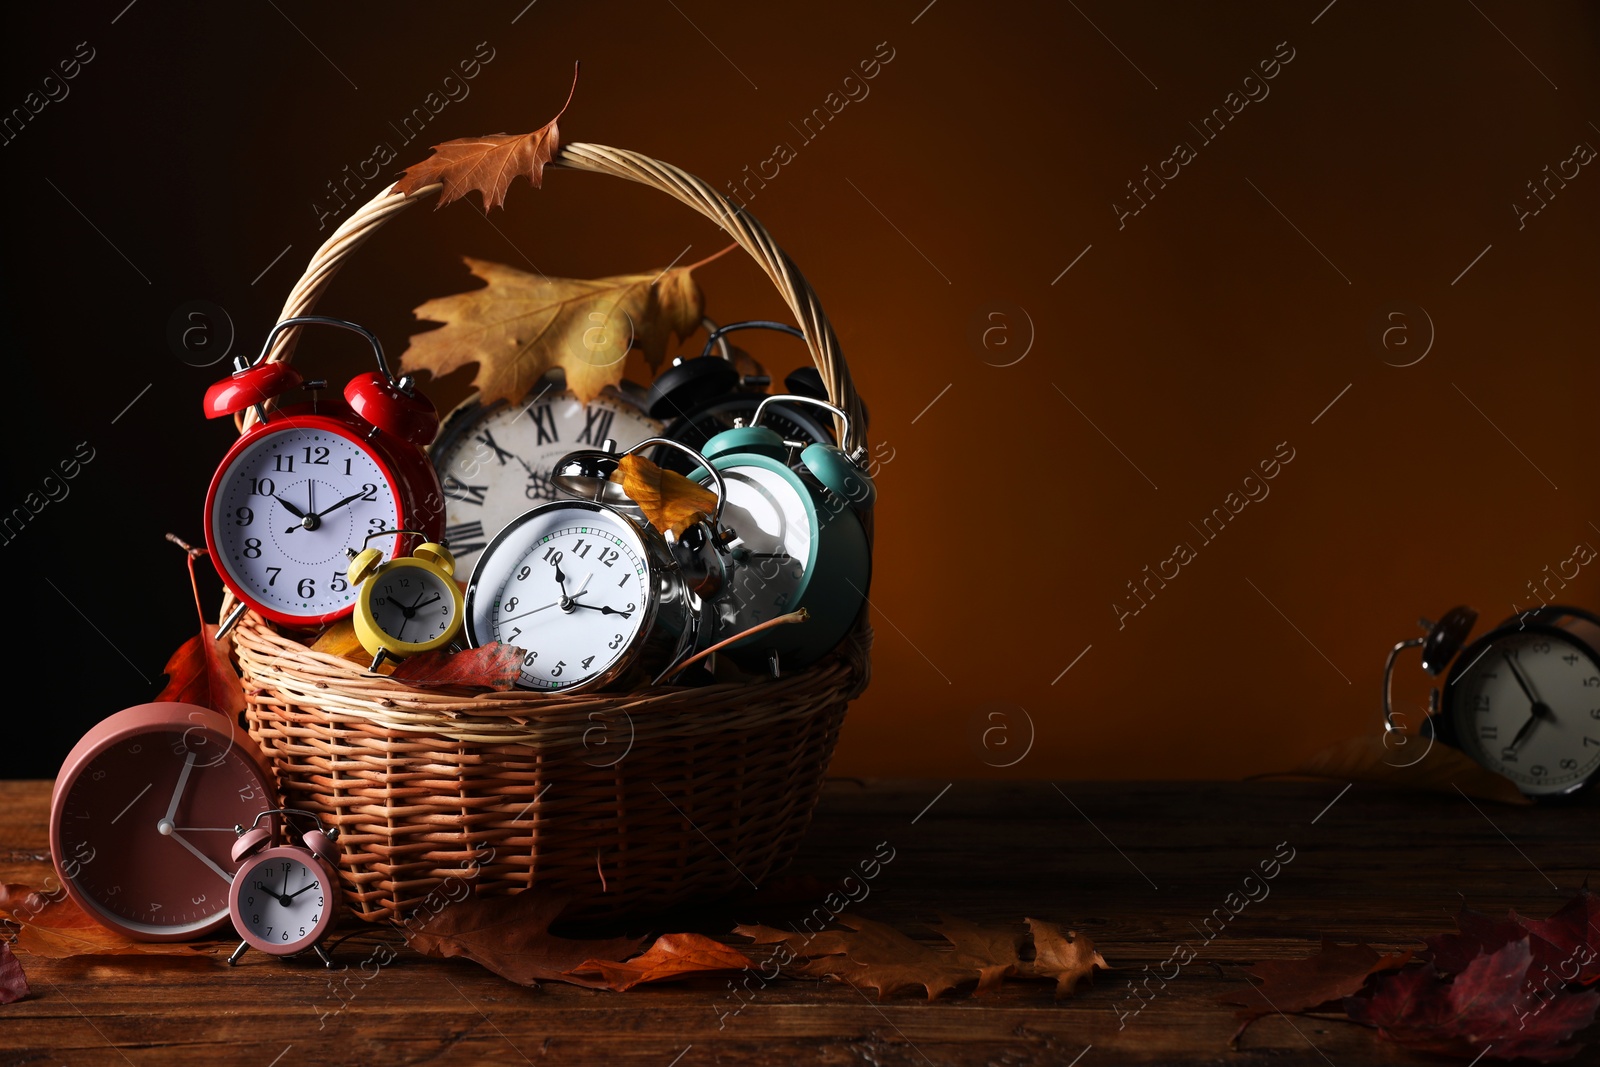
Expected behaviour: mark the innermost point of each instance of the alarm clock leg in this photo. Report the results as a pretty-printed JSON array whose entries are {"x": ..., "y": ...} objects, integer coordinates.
[
  {"x": 322, "y": 954},
  {"x": 227, "y": 624},
  {"x": 377, "y": 660},
  {"x": 240, "y": 951}
]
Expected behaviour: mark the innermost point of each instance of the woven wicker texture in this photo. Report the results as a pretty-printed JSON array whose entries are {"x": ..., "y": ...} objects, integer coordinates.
[{"x": 628, "y": 802}]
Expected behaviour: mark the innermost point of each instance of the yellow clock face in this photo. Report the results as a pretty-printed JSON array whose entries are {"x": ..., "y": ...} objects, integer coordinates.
[{"x": 408, "y": 606}]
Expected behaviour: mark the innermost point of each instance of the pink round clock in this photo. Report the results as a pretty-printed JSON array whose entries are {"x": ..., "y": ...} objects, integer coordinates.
[{"x": 142, "y": 818}]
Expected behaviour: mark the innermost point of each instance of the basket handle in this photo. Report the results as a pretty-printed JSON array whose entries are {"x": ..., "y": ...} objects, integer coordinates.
[{"x": 739, "y": 224}]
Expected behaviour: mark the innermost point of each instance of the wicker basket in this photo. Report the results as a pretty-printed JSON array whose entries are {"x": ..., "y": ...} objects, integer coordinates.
[{"x": 512, "y": 791}]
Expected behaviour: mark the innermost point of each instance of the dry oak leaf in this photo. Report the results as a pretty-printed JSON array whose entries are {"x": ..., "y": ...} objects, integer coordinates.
[
  {"x": 489, "y": 164},
  {"x": 1484, "y": 1011},
  {"x": 1068, "y": 957},
  {"x": 521, "y": 325},
  {"x": 1290, "y": 986},
  {"x": 55, "y": 927},
  {"x": 1442, "y": 770},
  {"x": 669, "y": 500},
  {"x": 494, "y": 667},
  {"x": 13, "y": 983},
  {"x": 672, "y": 957},
  {"x": 511, "y": 937}
]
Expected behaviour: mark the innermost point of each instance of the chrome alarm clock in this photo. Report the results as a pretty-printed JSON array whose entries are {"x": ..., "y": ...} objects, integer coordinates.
[
  {"x": 1523, "y": 700},
  {"x": 589, "y": 589}
]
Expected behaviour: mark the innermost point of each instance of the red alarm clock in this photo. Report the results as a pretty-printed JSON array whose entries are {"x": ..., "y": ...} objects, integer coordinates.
[
  {"x": 142, "y": 818},
  {"x": 310, "y": 480}
]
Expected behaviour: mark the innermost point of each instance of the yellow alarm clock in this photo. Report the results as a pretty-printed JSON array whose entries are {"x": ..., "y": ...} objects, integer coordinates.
[{"x": 405, "y": 605}]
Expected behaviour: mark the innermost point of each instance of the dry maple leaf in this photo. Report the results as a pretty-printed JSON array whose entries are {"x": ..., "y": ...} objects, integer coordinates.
[
  {"x": 668, "y": 499},
  {"x": 672, "y": 957},
  {"x": 1289, "y": 986},
  {"x": 54, "y": 927},
  {"x": 1565, "y": 947},
  {"x": 511, "y": 937},
  {"x": 1067, "y": 957},
  {"x": 494, "y": 667},
  {"x": 1442, "y": 770},
  {"x": 487, "y": 165},
  {"x": 13, "y": 983},
  {"x": 1484, "y": 1011},
  {"x": 521, "y": 325}
]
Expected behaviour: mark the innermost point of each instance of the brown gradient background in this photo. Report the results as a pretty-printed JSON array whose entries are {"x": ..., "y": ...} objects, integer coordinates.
[{"x": 985, "y": 159}]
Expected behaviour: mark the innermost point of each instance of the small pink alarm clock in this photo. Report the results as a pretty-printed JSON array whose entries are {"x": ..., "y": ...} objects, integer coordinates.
[{"x": 284, "y": 894}]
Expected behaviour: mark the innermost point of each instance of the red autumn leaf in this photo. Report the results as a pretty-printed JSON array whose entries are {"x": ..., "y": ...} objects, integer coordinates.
[
  {"x": 199, "y": 672},
  {"x": 1476, "y": 934},
  {"x": 489, "y": 164},
  {"x": 672, "y": 957},
  {"x": 1573, "y": 936},
  {"x": 511, "y": 937},
  {"x": 1335, "y": 972},
  {"x": 493, "y": 667},
  {"x": 1485, "y": 1010},
  {"x": 13, "y": 983},
  {"x": 54, "y": 927}
]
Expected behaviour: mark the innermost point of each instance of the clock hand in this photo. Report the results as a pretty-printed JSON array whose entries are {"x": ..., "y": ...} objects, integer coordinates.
[
  {"x": 423, "y": 604},
  {"x": 205, "y": 859},
  {"x": 525, "y": 614},
  {"x": 273, "y": 893},
  {"x": 605, "y": 610},
  {"x": 340, "y": 504},
  {"x": 290, "y": 508},
  {"x": 132, "y": 802},
  {"x": 165, "y": 825},
  {"x": 1522, "y": 683},
  {"x": 302, "y": 889}
]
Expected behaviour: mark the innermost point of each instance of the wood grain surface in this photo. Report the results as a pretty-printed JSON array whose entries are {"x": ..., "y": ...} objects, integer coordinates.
[{"x": 1137, "y": 866}]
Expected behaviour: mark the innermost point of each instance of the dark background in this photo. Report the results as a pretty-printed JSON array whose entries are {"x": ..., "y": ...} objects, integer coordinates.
[{"x": 1179, "y": 350}]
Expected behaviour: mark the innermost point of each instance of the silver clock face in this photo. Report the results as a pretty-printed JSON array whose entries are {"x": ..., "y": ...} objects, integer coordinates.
[
  {"x": 570, "y": 583},
  {"x": 494, "y": 462},
  {"x": 1528, "y": 707}
]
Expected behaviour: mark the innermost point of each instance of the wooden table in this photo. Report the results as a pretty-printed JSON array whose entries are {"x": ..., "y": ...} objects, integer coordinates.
[{"x": 1138, "y": 866}]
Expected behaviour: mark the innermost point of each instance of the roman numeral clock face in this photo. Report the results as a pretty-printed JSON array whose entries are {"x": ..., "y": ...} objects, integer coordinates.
[
  {"x": 494, "y": 462},
  {"x": 284, "y": 511}
]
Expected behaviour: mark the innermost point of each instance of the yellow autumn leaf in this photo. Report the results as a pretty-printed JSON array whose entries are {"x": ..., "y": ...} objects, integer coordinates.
[
  {"x": 668, "y": 499},
  {"x": 520, "y": 325}
]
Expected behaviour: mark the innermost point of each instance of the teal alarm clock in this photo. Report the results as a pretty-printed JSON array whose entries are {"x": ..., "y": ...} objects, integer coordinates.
[{"x": 799, "y": 540}]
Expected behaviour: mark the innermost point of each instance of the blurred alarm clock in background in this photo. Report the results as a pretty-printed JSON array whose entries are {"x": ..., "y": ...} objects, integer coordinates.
[
  {"x": 1523, "y": 700},
  {"x": 308, "y": 481}
]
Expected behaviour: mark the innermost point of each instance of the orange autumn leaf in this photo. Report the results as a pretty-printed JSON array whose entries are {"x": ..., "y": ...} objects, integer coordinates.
[
  {"x": 1068, "y": 957},
  {"x": 669, "y": 500},
  {"x": 1442, "y": 770},
  {"x": 340, "y": 640},
  {"x": 199, "y": 672},
  {"x": 672, "y": 957},
  {"x": 487, "y": 165},
  {"x": 511, "y": 937}
]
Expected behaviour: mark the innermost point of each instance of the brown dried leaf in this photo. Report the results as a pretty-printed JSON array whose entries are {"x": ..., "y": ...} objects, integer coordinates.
[
  {"x": 511, "y": 937},
  {"x": 13, "y": 983},
  {"x": 54, "y": 927},
  {"x": 1069, "y": 957},
  {"x": 520, "y": 325},
  {"x": 672, "y": 957},
  {"x": 199, "y": 672},
  {"x": 669, "y": 500},
  {"x": 487, "y": 165},
  {"x": 1442, "y": 770},
  {"x": 879, "y": 957},
  {"x": 494, "y": 668}
]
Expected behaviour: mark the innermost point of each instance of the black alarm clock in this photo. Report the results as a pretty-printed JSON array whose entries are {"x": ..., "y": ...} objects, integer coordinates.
[
  {"x": 698, "y": 398},
  {"x": 1523, "y": 700}
]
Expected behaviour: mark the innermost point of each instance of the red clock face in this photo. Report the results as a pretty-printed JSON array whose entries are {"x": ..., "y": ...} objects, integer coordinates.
[{"x": 141, "y": 825}]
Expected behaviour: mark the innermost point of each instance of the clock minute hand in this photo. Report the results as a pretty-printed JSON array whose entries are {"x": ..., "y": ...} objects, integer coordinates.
[
  {"x": 297, "y": 892},
  {"x": 340, "y": 504},
  {"x": 1522, "y": 683},
  {"x": 605, "y": 610}
]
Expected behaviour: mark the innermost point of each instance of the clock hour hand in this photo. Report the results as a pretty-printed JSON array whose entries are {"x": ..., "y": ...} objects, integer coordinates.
[
  {"x": 273, "y": 893},
  {"x": 290, "y": 508}
]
